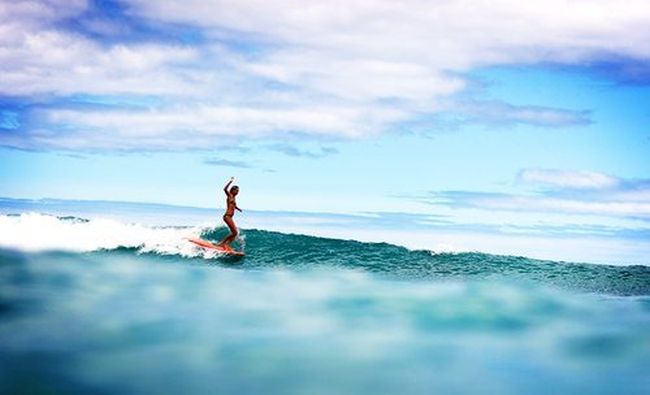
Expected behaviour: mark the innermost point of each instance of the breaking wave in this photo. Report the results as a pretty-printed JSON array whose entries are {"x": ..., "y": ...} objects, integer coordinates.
[{"x": 38, "y": 233}]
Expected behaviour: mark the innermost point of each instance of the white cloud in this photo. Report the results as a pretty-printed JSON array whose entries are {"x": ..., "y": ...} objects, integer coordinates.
[
  {"x": 450, "y": 35},
  {"x": 192, "y": 127},
  {"x": 30, "y": 12},
  {"x": 220, "y": 120},
  {"x": 356, "y": 79},
  {"x": 500, "y": 113},
  {"x": 37, "y": 57},
  {"x": 570, "y": 192},
  {"x": 570, "y": 206},
  {"x": 569, "y": 179},
  {"x": 52, "y": 62},
  {"x": 315, "y": 68}
]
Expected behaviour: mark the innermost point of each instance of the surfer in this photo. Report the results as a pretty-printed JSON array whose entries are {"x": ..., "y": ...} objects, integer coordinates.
[{"x": 231, "y": 206}]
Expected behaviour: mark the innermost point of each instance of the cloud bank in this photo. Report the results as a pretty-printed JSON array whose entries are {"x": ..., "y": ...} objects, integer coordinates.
[
  {"x": 255, "y": 69},
  {"x": 569, "y": 179},
  {"x": 566, "y": 192},
  {"x": 226, "y": 163}
]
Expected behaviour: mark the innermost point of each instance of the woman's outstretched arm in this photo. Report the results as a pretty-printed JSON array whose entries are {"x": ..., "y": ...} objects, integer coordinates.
[{"x": 225, "y": 188}]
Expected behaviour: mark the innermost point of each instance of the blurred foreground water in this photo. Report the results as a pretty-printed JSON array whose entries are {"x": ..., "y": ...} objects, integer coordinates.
[{"x": 149, "y": 313}]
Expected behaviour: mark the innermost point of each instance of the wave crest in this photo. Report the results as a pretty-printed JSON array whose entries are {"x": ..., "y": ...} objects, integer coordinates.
[{"x": 39, "y": 232}]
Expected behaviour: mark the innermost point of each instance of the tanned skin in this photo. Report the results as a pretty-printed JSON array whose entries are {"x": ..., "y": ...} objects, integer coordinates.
[{"x": 231, "y": 206}]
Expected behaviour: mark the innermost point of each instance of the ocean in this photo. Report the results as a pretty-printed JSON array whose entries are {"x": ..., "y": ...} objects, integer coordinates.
[{"x": 94, "y": 302}]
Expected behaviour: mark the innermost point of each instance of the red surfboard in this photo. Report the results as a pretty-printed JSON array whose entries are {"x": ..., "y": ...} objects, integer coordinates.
[{"x": 206, "y": 244}]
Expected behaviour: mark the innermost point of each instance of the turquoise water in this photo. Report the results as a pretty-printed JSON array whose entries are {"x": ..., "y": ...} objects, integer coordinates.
[{"x": 138, "y": 310}]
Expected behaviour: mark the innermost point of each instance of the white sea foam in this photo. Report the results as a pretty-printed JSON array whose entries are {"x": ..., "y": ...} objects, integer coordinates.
[{"x": 39, "y": 232}]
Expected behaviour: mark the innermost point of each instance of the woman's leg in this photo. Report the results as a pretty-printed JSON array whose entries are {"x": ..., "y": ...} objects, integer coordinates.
[{"x": 233, "y": 232}]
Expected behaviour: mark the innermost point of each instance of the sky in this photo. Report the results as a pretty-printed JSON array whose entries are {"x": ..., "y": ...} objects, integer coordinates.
[{"x": 500, "y": 118}]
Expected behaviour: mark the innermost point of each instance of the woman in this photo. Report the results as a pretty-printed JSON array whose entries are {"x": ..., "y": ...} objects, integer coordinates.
[{"x": 231, "y": 206}]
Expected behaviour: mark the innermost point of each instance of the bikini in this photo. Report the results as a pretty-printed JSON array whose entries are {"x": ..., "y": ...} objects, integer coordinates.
[{"x": 230, "y": 200}]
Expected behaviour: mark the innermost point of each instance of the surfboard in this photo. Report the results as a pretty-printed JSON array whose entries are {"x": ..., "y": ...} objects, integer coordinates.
[{"x": 210, "y": 246}]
